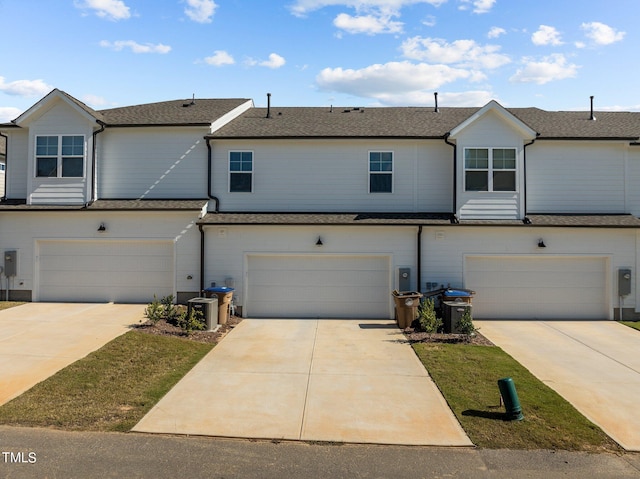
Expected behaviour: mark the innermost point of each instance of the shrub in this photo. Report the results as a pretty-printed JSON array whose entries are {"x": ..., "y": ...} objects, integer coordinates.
[
  {"x": 155, "y": 311},
  {"x": 465, "y": 324},
  {"x": 427, "y": 318},
  {"x": 189, "y": 322},
  {"x": 170, "y": 311}
]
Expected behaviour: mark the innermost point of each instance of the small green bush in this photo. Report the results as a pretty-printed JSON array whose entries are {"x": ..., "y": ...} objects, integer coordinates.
[
  {"x": 427, "y": 318},
  {"x": 154, "y": 312},
  {"x": 189, "y": 322},
  {"x": 465, "y": 324}
]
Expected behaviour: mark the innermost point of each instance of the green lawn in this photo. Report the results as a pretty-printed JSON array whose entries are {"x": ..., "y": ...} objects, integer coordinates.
[
  {"x": 110, "y": 389},
  {"x": 467, "y": 375}
]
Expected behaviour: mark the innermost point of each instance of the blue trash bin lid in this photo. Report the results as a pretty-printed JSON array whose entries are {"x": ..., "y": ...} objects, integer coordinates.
[
  {"x": 457, "y": 292},
  {"x": 220, "y": 289}
]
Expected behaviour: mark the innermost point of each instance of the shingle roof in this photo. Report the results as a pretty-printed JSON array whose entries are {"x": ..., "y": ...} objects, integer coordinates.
[
  {"x": 175, "y": 112},
  {"x": 111, "y": 205},
  {"x": 416, "y": 219},
  {"x": 417, "y": 122}
]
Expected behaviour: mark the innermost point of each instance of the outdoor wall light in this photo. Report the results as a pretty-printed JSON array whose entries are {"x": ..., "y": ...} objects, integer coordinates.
[
  {"x": 541, "y": 243},
  {"x": 102, "y": 228},
  {"x": 319, "y": 242}
]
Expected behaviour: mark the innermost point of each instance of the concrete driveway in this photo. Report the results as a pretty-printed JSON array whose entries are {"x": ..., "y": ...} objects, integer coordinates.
[
  {"x": 595, "y": 365},
  {"x": 352, "y": 381},
  {"x": 39, "y": 339}
]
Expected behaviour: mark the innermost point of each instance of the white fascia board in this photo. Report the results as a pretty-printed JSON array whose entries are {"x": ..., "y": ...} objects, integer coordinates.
[
  {"x": 41, "y": 106},
  {"x": 503, "y": 113},
  {"x": 227, "y": 117}
]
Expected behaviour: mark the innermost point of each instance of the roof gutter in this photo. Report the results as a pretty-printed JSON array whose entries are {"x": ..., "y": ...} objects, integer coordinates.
[{"x": 6, "y": 144}]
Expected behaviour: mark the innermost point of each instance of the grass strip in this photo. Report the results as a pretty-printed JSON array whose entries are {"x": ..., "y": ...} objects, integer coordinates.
[
  {"x": 467, "y": 376},
  {"x": 110, "y": 389}
]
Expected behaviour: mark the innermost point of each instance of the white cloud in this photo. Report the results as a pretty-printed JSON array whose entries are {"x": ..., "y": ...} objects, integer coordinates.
[
  {"x": 369, "y": 24},
  {"x": 303, "y": 7},
  {"x": 109, "y": 9},
  {"x": 25, "y": 88},
  {"x": 602, "y": 34},
  {"x": 429, "y": 21},
  {"x": 274, "y": 61},
  {"x": 390, "y": 83},
  {"x": 219, "y": 58},
  {"x": 546, "y": 35},
  {"x": 551, "y": 68},
  {"x": 495, "y": 32},
  {"x": 94, "y": 101},
  {"x": 8, "y": 113},
  {"x": 200, "y": 11},
  {"x": 136, "y": 47},
  {"x": 460, "y": 52},
  {"x": 479, "y": 6}
]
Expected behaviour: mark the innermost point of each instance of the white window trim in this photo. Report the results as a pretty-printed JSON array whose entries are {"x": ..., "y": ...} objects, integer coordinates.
[
  {"x": 59, "y": 157},
  {"x": 489, "y": 169},
  {"x": 392, "y": 172},
  {"x": 229, "y": 172}
]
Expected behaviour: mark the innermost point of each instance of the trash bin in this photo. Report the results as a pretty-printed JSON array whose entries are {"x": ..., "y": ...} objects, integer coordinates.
[
  {"x": 407, "y": 303},
  {"x": 457, "y": 295},
  {"x": 453, "y": 312},
  {"x": 209, "y": 309},
  {"x": 224, "y": 296}
]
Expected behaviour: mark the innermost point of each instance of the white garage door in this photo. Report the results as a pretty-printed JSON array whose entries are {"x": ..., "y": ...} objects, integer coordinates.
[
  {"x": 537, "y": 287},
  {"x": 318, "y": 286},
  {"x": 97, "y": 271}
]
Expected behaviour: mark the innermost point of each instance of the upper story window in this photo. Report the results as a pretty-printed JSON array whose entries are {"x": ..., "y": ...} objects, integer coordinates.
[
  {"x": 380, "y": 172},
  {"x": 2, "y": 166},
  {"x": 240, "y": 171},
  {"x": 60, "y": 156},
  {"x": 490, "y": 169}
]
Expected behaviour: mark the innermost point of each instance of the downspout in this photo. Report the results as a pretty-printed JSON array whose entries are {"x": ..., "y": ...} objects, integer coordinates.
[
  {"x": 201, "y": 228},
  {"x": 455, "y": 174},
  {"x": 419, "y": 258},
  {"x": 94, "y": 174},
  {"x": 209, "y": 172},
  {"x": 524, "y": 179},
  {"x": 6, "y": 144}
]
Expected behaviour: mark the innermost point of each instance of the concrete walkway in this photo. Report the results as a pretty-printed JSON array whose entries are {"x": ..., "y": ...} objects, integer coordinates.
[
  {"x": 595, "y": 365},
  {"x": 352, "y": 381},
  {"x": 39, "y": 339}
]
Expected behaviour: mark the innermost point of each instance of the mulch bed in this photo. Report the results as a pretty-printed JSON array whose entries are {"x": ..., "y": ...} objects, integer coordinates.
[
  {"x": 413, "y": 335},
  {"x": 163, "y": 328}
]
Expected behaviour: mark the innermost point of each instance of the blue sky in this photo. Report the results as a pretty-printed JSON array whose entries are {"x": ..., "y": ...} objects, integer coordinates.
[{"x": 107, "y": 53}]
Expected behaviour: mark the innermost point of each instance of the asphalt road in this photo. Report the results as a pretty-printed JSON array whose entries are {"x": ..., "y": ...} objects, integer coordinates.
[{"x": 44, "y": 453}]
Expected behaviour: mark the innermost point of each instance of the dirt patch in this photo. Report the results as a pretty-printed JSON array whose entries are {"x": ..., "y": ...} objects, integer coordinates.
[{"x": 162, "y": 328}]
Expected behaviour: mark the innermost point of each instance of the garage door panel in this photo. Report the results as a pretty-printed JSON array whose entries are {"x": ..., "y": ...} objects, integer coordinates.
[
  {"x": 538, "y": 287},
  {"x": 318, "y": 286},
  {"x": 111, "y": 270}
]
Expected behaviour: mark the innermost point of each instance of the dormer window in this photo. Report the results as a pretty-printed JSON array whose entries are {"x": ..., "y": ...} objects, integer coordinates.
[
  {"x": 60, "y": 156},
  {"x": 490, "y": 169}
]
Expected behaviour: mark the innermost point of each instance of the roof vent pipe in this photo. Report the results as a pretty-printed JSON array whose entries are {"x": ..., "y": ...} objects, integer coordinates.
[
  {"x": 268, "y": 105},
  {"x": 592, "y": 117},
  {"x": 435, "y": 94}
]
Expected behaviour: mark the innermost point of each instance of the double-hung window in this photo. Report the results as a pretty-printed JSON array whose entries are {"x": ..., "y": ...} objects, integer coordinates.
[
  {"x": 490, "y": 169},
  {"x": 60, "y": 156},
  {"x": 380, "y": 172},
  {"x": 240, "y": 171}
]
